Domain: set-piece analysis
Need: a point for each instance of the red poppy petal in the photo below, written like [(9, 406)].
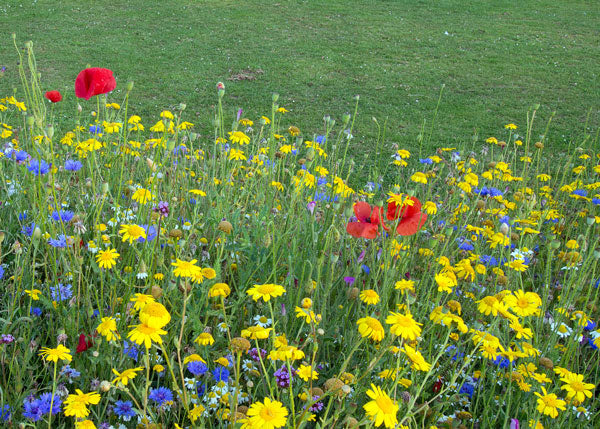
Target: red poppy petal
[(362, 210), (94, 81), (53, 96), (410, 226), (362, 230)]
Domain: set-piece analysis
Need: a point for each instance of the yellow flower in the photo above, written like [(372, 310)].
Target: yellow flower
[(107, 258), (418, 361), (518, 265), (510, 126), (308, 315), (185, 268), (141, 300), (267, 415), (371, 328), (155, 315), (549, 404), (34, 294), (446, 280), (142, 196), (306, 372), (419, 177), (108, 329), (125, 376), (219, 289), (239, 137), (524, 304), (85, 424), (76, 404), (237, 155), (576, 388), (56, 354), (265, 291), (430, 208), (369, 297), (132, 232), (405, 286), (144, 334), (196, 412), (205, 339), (404, 326), (382, 408), (256, 332)]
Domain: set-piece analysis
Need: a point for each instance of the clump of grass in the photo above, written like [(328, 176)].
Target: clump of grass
[(151, 276)]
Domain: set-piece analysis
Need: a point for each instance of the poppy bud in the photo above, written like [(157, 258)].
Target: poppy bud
[(275, 97), (536, 106), (504, 228), (79, 108), (182, 106), (37, 233), (129, 86), (346, 118), (30, 120), (105, 386), (14, 36), (105, 188)]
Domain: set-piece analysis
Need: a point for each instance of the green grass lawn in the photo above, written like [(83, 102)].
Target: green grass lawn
[(496, 59)]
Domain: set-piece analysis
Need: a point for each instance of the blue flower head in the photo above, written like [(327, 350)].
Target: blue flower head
[(124, 409), (61, 292), (220, 374), (71, 165), (197, 368), (38, 167), (161, 395), (130, 349)]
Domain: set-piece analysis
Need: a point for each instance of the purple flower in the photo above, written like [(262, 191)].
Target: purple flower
[(197, 368), (349, 280), (283, 377), (254, 354), (311, 207), (6, 339), (514, 423), (38, 167), (162, 208)]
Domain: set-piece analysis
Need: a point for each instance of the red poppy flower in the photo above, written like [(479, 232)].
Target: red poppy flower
[(94, 81), (53, 96), (369, 219), (83, 344), (411, 217)]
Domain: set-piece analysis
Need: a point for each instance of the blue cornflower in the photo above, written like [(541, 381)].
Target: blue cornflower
[(46, 399), (71, 165), (95, 129), (129, 349), (426, 161), (502, 362), (596, 201), (31, 409), (1, 272), (321, 181), (197, 368), (28, 230), (21, 156), (488, 261), (60, 241), (591, 325), (504, 219), (151, 233), (35, 311), (580, 192), (38, 167), (62, 215), (161, 395), (220, 374), (69, 372), (467, 388), (5, 413), (22, 216), (366, 269), (320, 139), (61, 292), (466, 245), (124, 409)]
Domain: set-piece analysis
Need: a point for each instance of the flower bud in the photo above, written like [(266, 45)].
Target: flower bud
[(79, 108), (105, 188), (182, 106), (37, 233), (225, 226), (105, 386), (50, 131), (275, 97), (129, 86), (156, 291), (504, 228), (30, 120)]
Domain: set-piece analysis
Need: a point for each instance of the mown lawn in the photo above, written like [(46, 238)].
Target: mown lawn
[(495, 58)]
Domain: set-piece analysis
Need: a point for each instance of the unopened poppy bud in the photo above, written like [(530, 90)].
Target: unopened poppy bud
[(50, 131), (275, 97), (30, 120), (356, 97), (79, 108), (346, 118), (331, 122), (13, 35), (182, 106), (37, 233), (105, 386), (536, 106), (320, 332), (150, 164), (225, 226), (104, 188), (129, 86), (504, 228)]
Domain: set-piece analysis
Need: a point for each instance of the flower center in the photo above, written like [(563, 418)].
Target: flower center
[(385, 404)]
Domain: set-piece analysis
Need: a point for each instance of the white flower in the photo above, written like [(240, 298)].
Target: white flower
[(142, 275), (262, 321), (561, 329)]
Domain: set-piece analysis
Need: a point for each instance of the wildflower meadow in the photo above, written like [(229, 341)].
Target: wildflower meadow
[(258, 277)]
